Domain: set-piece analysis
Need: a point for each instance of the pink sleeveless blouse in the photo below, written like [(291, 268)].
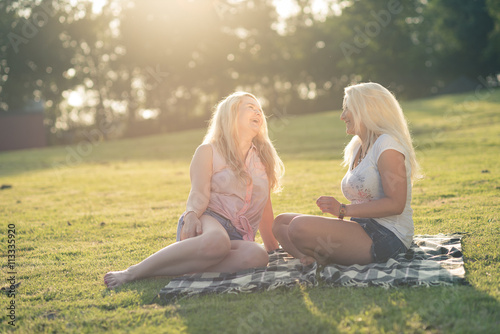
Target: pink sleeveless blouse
[(243, 204)]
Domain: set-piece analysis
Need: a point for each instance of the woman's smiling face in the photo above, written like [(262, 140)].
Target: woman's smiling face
[(350, 127), (346, 116), (250, 116)]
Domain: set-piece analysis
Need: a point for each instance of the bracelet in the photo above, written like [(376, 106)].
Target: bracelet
[(342, 211)]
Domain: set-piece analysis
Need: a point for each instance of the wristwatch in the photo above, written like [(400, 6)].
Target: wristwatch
[(342, 211)]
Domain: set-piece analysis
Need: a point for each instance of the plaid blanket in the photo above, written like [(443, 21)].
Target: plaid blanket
[(431, 260), (282, 270)]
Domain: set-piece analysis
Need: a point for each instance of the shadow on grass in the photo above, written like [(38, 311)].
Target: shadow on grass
[(146, 289), (332, 310), (457, 308)]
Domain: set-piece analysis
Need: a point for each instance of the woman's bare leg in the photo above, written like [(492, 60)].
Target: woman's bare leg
[(330, 240), (281, 225), (243, 255), (183, 257)]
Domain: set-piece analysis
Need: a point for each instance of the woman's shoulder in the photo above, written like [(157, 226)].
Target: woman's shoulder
[(212, 153), (386, 141), (202, 158), (385, 137), (204, 150)]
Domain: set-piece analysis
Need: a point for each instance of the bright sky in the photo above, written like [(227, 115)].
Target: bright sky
[(96, 4), (285, 8), (319, 8)]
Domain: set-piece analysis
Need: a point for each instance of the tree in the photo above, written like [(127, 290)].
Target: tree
[(33, 58), (464, 31)]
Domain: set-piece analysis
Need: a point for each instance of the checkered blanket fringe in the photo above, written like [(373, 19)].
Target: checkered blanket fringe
[(431, 260)]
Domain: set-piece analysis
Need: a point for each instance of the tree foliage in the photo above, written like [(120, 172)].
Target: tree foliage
[(175, 59)]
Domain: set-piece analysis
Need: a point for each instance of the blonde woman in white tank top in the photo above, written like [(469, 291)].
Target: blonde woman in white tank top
[(381, 167)]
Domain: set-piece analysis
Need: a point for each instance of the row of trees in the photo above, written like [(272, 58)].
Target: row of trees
[(172, 60)]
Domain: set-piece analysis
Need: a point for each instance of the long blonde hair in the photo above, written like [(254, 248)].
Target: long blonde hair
[(377, 109), (223, 134)]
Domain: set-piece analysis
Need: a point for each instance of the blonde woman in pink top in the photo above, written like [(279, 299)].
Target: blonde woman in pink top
[(232, 174)]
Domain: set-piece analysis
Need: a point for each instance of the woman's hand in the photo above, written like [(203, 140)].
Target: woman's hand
[(328, 204), (192, 226)]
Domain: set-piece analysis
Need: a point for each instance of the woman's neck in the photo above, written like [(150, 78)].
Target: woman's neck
[(367, 140), (364, 140), (244, 148)]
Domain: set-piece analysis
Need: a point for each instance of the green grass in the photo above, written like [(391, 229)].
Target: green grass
[(79, 215)]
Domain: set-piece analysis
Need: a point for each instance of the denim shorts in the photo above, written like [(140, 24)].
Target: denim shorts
[(226, 223), (385, 244)]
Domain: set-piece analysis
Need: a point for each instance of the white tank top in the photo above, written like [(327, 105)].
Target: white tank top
[(363, 184)]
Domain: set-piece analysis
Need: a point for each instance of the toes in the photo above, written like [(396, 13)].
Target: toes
[(109, 280), (114, 279), (111, 284)]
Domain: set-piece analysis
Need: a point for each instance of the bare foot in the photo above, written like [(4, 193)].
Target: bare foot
[(307, 260), (114, 279)]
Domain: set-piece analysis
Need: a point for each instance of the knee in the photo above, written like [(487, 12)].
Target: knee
[(214, 247), (277, 223), (297, 229), (256, 257), (280, 221)]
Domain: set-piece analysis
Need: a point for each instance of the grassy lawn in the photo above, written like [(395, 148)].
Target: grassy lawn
[(81, 211)]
